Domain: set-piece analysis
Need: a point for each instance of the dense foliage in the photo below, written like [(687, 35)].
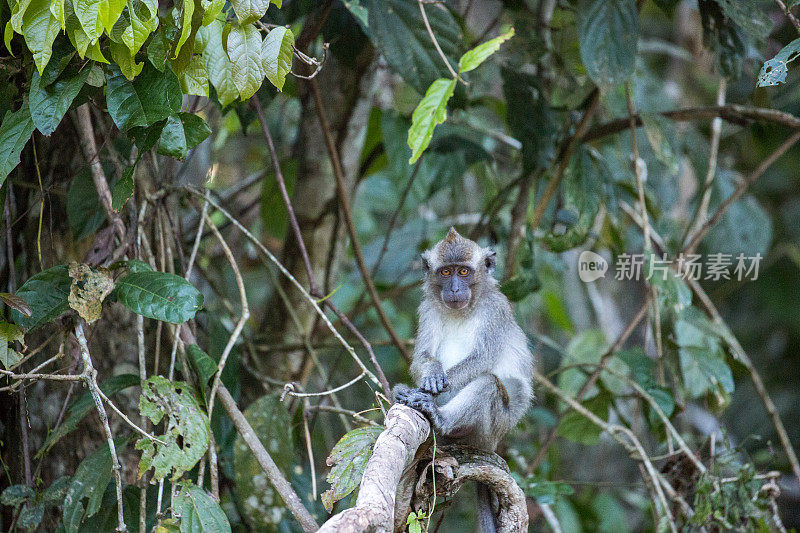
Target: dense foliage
[(209, 203)]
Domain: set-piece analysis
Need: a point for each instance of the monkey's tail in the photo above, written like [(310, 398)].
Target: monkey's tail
[(486, 519)]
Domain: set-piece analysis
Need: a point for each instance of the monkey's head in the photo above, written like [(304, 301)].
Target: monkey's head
[(456, 269)]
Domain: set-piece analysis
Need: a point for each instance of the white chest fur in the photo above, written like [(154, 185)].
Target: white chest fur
[(458, 339)]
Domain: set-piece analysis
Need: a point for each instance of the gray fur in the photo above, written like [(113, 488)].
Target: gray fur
[(482, 396)]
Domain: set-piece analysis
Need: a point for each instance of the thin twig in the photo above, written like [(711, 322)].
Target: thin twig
[(289, 389), (789, 14), (89, 375), (434, 40), (565, 157), (740, 189)]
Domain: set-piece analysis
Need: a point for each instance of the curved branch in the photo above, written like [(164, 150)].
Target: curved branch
[(406, 429), (735, 114)]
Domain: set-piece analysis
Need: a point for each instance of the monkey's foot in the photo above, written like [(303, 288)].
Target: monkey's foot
[(435, 383)]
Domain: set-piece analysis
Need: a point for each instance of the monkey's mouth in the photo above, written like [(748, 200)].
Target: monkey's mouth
[(456, 304)]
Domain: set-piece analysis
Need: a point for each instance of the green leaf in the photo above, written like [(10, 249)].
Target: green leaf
[(745, 228), (88, 13), (139, 29), (248, 11), (608, 33), (244, 50), (151, 97), (123, 189), (187, 432), (748, 16), (348, 459), (16, 495), (724, 38), (46, 293), (108, 11), (57, 491), (578, 428), (203, 365), (273, 209), (431, 111), (260, 505), (702, 360), (276, 55), (81, 41), (775, 70), (545, 491), (40, 29), (396, 28), (121, 55), (472, 59), (84, 405), (84, 212), (159, 295), (642, 371), (16, 129), (31, 516), (198, 511), (194, 78), (211, 10), (9, 357), (182, 133), (217, 63), (587, 347), (187, 11), (90, 481), (48, 105)]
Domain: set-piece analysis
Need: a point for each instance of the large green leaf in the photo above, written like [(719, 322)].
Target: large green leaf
[(608, 34), (396, 28), (140, 26), (181, 133), (82, 406), (88, 13), (473, 58), (348, 459), (578, 428), (431, 111), (108, 11), (260, 505), (48, 105), (40, 29), (244, 50), (151, 97), (198, 511), (187, 432), (218, 64), (90, 481), (159, 295), (194, 78), (46, 293), (276, 55), (16, 129), (248, 11)]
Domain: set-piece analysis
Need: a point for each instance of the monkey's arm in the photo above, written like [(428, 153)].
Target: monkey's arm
[(481, 413)]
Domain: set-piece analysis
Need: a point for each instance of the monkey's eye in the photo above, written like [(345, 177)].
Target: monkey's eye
[(445, 272), (463, 271)]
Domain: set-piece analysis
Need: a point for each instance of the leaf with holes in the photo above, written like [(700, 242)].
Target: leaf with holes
[(775, 70), (89, 288), (82, 406), (198, 511), (187, 431), (348, 459), (260, 505), (46, 294), (16, 495), (159, 295)]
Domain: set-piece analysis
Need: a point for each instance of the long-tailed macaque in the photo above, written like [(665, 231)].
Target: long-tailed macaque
[(472, 365)]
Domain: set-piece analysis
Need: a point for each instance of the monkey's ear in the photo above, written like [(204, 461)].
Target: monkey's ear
[(490, 259), (425, 264)]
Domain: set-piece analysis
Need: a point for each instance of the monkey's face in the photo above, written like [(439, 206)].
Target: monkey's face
[(454, 282)]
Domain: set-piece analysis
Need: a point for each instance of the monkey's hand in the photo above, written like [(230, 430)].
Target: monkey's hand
[(435, 383), (420, 400)]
